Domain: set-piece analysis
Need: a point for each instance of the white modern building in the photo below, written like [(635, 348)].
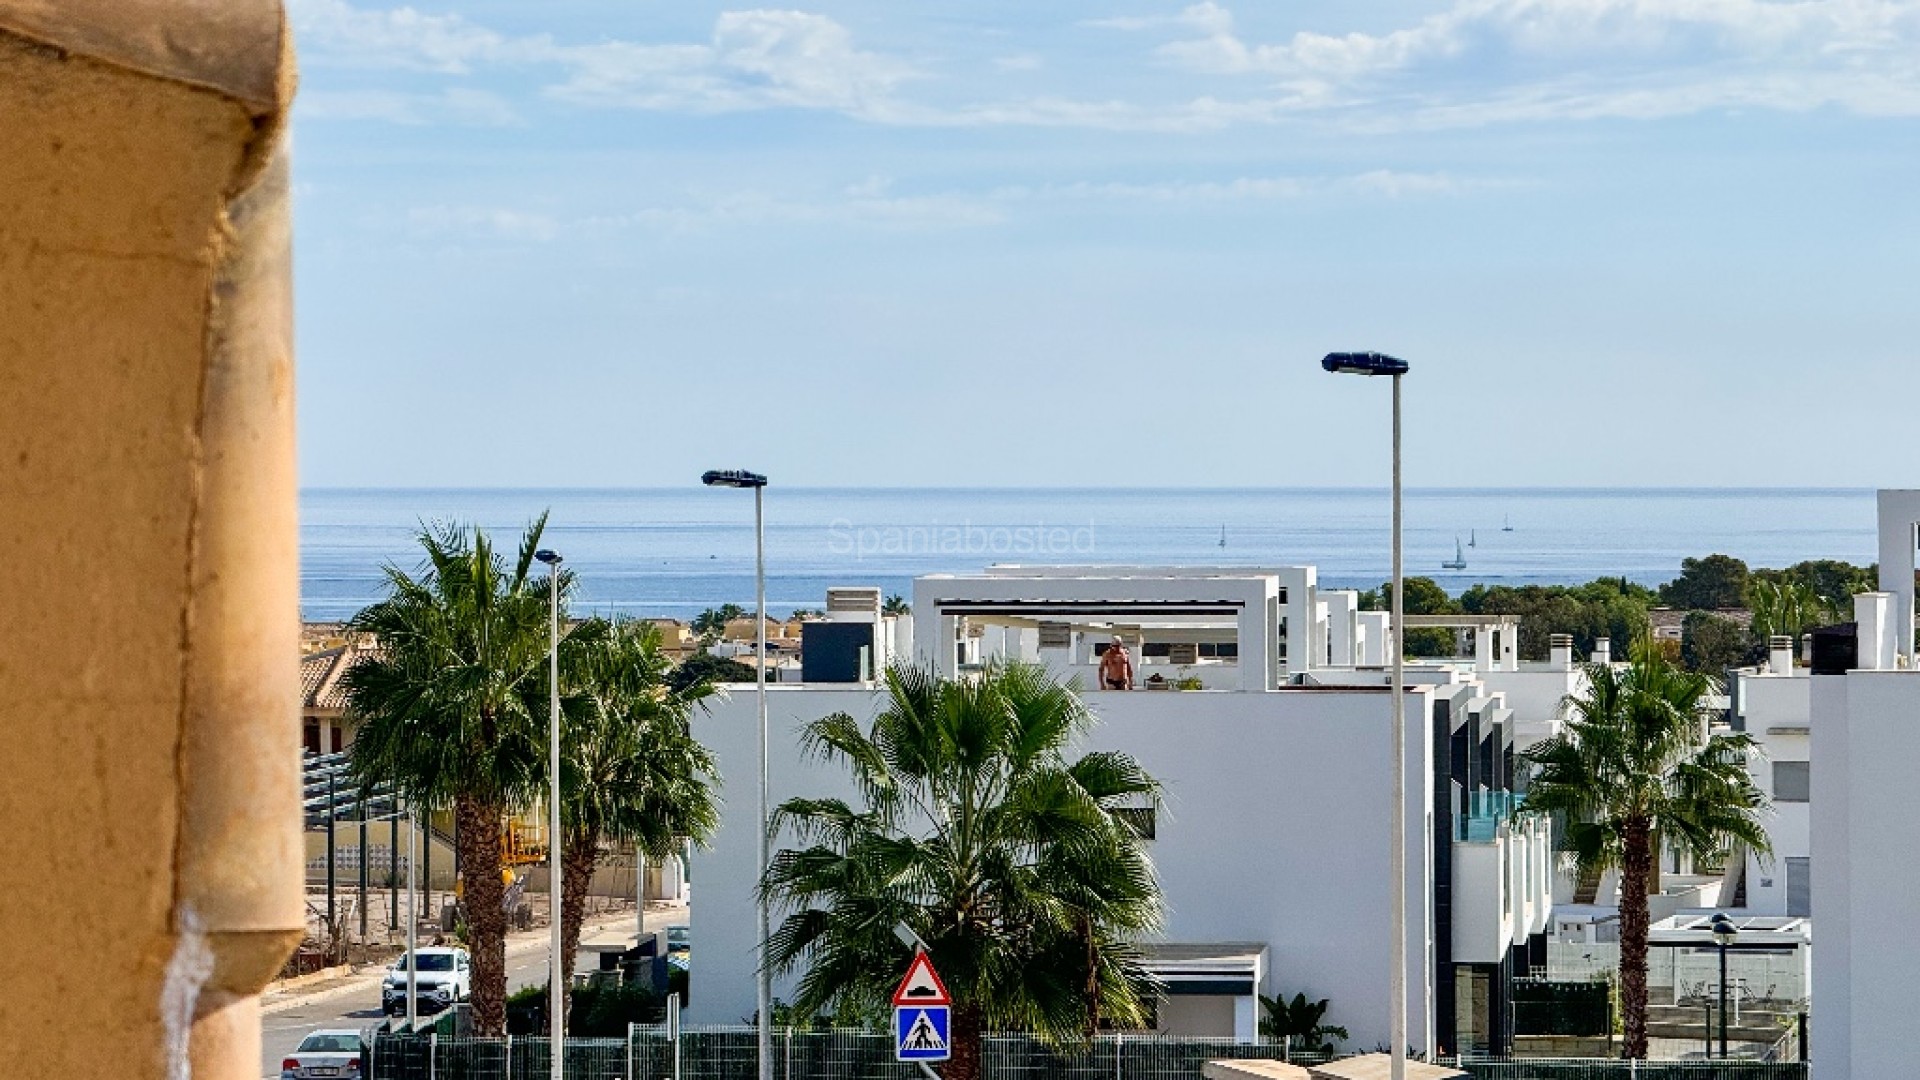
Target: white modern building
[(1272, 843), (1865, 810), (1774, 705)]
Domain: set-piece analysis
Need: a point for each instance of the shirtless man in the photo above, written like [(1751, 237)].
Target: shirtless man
[(1116, 667)]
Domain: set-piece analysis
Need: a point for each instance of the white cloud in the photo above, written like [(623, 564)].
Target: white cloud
[(1489, 61), (460, 105), (874, 203), (1207, 17), (1379, 182), (1472, 62), (1558, 29), (337, 32), (483, 222), (757, 59), (754, 59)]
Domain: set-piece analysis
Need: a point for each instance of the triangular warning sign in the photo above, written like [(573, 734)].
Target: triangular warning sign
[(921, 985)]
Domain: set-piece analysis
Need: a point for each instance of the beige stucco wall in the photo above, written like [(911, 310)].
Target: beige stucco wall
[(149, 638)]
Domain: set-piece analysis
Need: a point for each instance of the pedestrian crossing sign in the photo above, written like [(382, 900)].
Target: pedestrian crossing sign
[(920, 1033)]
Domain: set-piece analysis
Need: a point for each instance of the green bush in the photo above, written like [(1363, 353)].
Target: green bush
[(599, 1009)]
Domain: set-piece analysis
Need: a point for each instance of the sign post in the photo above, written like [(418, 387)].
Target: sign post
[(922, 1014)]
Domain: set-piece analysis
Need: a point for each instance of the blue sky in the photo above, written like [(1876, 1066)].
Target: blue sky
[(596, 243)]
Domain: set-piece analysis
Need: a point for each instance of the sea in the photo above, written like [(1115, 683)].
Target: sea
[(676, 551)]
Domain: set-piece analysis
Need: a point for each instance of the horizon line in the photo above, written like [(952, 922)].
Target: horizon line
[(1531, 489)]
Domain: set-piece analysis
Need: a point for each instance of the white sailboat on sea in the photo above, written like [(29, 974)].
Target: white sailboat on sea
[(1459, 560), (1223, 536), (1473, 538), (1508, 525)]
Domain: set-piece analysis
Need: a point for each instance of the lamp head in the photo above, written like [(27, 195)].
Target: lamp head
[(733, 478), (549, 556), (1363, 363), (1723, 929)]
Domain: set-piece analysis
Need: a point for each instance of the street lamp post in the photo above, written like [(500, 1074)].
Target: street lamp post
[(1372, 363), (413, 922), (1723, 934), (556, 989), (763, 988)]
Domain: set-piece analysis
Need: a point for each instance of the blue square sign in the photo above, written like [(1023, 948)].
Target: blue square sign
[(920, 1033)]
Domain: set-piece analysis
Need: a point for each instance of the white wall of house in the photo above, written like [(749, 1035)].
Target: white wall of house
[(1535, 692), (1343, 626), (1777, 706), (1899, 514), (1866, 889), (1275, 831), (1501, 891)]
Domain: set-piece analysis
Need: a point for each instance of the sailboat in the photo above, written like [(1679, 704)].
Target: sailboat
[(1508, 527), (1223, 536), (1473, 538), (1459, 560)]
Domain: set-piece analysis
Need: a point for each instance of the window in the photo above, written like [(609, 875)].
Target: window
[(1790, 781), (1800, 887), (428, 962), (1154, 649)]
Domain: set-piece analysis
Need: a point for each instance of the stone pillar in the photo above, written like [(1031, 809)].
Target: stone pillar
[(149, 636)]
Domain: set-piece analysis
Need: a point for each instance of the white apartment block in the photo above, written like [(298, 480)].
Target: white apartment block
[(1774, 705), (1272, 844), (1864, 717)]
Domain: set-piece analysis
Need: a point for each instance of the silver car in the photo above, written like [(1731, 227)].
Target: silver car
[(328, 1054)]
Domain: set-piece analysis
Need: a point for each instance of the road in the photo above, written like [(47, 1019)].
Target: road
[(355, 1002)]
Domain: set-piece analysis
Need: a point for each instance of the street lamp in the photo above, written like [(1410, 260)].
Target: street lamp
[(1723, 934), (413, 920), (556, 990), (763, 996), (1373, 363)]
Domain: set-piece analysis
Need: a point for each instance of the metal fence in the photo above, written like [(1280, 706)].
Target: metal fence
[(729, 1054), (1548, 1007)]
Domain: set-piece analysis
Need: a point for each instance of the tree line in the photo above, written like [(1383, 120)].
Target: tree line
[(451, 706), (1788, 601)]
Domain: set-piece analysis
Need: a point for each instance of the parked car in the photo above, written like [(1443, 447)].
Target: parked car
[(679, 939), (445, 976), (327, 1053)]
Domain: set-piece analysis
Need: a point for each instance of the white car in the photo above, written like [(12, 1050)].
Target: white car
[(328, 1053), (445, 976)]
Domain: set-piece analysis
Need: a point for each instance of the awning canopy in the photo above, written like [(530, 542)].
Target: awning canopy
[(1231, 968)]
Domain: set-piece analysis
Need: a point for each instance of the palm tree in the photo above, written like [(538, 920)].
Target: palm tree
[(631, 771), (442, 706), (1014, 865), (712, 623), (1786, 607), (1637, 766)]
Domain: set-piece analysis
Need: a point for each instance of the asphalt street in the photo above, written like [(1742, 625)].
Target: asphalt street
[(355, 1002)]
